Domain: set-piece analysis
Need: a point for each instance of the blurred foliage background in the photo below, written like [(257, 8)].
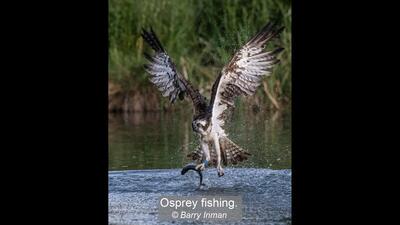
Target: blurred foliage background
[(200, 36)]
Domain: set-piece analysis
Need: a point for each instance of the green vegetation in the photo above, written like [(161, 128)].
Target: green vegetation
[(200, 36)]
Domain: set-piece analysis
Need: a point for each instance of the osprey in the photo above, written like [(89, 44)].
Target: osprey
[(241, 76)]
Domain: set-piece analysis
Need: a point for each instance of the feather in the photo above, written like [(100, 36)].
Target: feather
[(164, 75), (242, 75)]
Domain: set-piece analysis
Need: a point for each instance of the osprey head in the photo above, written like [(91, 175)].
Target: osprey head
[(201, 124)]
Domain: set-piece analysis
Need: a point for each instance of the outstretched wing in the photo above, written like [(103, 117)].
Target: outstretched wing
[(242, 75), (162, 70), (164, 75)]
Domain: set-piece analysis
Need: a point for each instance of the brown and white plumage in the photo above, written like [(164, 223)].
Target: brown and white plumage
[(167, 79), (241, 76), (162, 69), (231, 153)]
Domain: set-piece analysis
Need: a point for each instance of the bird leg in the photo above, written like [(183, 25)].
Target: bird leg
[(206, 153), (218, 151)]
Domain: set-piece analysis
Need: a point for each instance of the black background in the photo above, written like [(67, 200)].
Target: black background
[(55, 67)]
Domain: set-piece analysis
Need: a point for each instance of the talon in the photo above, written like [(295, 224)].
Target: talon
[(220, 172), (201, 166)]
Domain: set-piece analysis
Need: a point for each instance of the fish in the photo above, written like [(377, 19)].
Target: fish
[(193, 167)]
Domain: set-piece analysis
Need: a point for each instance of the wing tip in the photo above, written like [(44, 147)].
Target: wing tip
[(266, 33), (278, 50), (151, 38)]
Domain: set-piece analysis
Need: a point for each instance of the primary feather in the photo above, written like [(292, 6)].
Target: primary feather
[(166, 78), (161, 69), (242, 75)]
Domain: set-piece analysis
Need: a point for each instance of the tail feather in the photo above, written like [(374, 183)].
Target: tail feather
[(231, 152), (196, 154)]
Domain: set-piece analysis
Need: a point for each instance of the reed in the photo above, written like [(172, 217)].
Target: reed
[(200, 36)]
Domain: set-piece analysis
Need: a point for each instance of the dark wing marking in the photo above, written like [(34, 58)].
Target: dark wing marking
[(242, 75), (161, 69), (164, 75)]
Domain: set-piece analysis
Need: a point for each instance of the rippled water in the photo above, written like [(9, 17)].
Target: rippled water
[(266, 194), (162, 140)]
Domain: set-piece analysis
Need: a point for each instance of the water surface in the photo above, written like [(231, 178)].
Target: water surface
[(161, 140), (266, 194)]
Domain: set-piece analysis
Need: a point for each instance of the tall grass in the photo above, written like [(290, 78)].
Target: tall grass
[(200, 36)]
